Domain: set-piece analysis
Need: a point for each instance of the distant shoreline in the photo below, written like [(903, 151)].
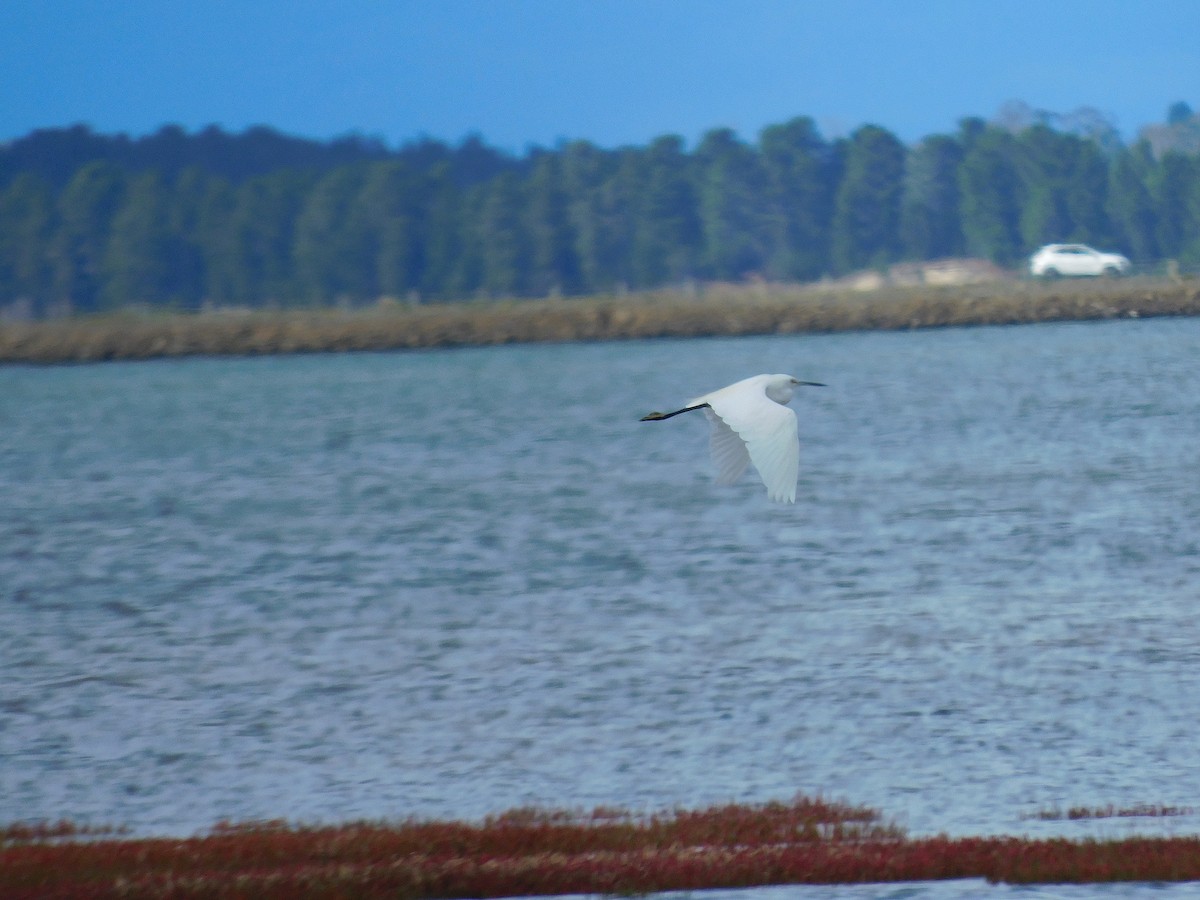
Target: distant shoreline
[(717, 310)]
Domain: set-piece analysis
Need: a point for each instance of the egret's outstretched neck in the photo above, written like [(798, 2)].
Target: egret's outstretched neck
[(658, 417)]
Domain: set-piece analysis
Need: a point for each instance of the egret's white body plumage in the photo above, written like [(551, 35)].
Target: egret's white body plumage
[(752, 423)]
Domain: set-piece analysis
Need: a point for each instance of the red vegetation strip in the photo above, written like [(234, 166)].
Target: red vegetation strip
[(25, 833), (538, 853)]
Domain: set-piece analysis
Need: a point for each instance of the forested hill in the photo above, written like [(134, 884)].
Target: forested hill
[(92, 222), (56, 154)]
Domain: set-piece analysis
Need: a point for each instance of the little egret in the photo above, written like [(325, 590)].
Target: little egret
[(751, 423)]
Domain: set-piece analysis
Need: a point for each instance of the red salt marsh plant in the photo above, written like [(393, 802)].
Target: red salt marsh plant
[(539, 852), (25, 833)]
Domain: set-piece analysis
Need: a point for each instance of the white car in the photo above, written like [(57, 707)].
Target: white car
[(1076, 259)]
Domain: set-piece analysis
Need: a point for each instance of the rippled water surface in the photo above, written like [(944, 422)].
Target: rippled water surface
[(450, 583)]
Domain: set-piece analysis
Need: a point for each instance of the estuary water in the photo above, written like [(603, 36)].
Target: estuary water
[(450, 583)]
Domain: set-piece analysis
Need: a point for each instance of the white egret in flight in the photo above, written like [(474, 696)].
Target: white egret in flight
[(751, 423)]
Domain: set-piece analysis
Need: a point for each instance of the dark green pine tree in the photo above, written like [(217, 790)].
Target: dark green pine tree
[(210, 221), (86, 208), (1170, 185), (1064, 181), (250, 260), (866, 216), (198, 205), (1042, 158), (332, 252), (600, 190), (27, 226), (137, 260), (1129, 205), (503, 240), (801, 173), (989, 197), (930, 217), (553, 262), (1178, 113), (733, 221), (1087, 193), (1189, 254), (391, 206), (667, 231), (452, 250)]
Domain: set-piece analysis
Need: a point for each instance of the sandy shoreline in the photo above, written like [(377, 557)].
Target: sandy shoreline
[(716, 311)]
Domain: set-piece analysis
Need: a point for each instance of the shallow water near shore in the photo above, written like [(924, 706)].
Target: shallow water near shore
[(448, 583)]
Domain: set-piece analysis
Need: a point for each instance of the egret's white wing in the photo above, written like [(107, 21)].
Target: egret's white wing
[(728, 450), (769, 432)]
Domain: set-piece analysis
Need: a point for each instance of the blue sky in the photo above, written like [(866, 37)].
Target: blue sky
[(523, 72)]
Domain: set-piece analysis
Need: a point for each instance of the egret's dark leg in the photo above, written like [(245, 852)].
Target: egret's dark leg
[(658, 417)]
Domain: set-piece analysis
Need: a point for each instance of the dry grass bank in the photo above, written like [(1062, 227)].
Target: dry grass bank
[(717, 310)]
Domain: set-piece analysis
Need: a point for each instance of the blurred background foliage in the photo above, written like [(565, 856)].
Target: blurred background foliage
[(91, 222)]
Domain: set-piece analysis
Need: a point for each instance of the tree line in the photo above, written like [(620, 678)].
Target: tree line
[(90, 222)]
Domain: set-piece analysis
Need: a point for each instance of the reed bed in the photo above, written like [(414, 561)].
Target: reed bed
[(717, 310), (534, 852)]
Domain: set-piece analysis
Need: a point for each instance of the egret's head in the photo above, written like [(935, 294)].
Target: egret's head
[(781, 387)]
